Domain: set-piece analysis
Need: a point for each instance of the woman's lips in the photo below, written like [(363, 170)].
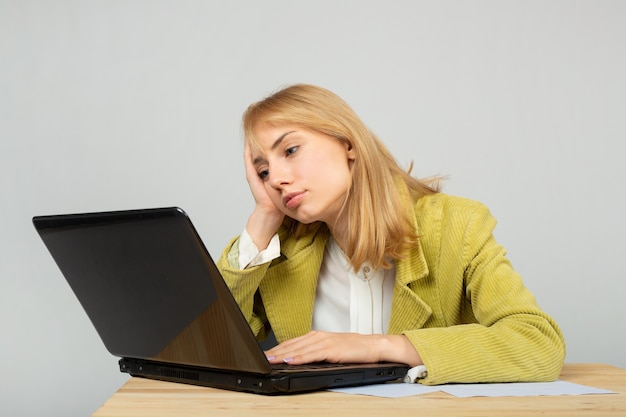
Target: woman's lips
[(292, 200)]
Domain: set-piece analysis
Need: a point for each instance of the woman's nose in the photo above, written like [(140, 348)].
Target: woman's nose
[(279, 177)]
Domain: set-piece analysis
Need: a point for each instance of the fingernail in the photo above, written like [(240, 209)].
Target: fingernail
[(287, 360), (269, 358)]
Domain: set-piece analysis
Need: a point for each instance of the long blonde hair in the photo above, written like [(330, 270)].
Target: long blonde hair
[(379, 226)]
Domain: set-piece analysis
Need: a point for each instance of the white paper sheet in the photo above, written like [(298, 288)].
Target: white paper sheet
[(521, 389), (516, 389)]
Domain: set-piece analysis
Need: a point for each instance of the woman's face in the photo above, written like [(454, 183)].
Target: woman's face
[(306, 173)]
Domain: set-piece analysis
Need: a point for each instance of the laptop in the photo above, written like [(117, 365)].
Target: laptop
[(159, 303)]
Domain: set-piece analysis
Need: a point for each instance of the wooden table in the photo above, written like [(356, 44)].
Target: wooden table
[(147, 398)]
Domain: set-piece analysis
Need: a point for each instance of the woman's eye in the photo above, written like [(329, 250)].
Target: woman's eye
[(291, 151), (264, 174)]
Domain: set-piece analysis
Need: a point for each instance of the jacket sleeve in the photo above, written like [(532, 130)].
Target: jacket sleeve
[(244, 285), (499, 333)]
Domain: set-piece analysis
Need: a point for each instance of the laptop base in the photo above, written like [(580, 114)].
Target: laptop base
[(280, 382)]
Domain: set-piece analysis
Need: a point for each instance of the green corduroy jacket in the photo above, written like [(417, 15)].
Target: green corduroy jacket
[(456, 297)]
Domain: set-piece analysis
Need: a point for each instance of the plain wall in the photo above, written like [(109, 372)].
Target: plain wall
[(132, 104)]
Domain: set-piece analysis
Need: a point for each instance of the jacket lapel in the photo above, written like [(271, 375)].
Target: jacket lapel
[(408, 310), (290, 307)]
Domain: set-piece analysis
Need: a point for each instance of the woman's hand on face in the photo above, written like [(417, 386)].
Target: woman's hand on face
[(257, 185), (266, 217), (317, 346)]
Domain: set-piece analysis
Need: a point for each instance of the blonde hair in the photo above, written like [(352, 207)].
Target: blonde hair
[(379, 227)]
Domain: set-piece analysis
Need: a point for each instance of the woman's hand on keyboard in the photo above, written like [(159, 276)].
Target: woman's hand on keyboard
[(317, 346)]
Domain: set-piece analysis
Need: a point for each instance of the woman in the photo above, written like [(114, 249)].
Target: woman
[(348, 258)]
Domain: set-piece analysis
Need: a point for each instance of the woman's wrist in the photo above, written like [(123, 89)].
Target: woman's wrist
[(262, 227), (398, 348)]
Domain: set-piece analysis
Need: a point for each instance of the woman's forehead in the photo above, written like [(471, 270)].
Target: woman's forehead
[(266, 133)]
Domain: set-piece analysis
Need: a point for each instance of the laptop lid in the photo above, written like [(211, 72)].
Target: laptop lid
[(157, 300), (151, 289)]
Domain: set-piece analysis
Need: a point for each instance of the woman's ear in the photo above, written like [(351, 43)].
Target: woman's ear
[(350, 151)]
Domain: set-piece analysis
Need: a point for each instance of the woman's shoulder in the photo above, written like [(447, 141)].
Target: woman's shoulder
[(443, 211), (455, 218), (441, 204)]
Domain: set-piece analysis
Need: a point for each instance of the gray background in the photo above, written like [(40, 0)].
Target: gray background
[(132, 104)]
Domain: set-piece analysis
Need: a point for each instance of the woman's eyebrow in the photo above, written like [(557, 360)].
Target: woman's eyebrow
[(280, 139), (275, 145)]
